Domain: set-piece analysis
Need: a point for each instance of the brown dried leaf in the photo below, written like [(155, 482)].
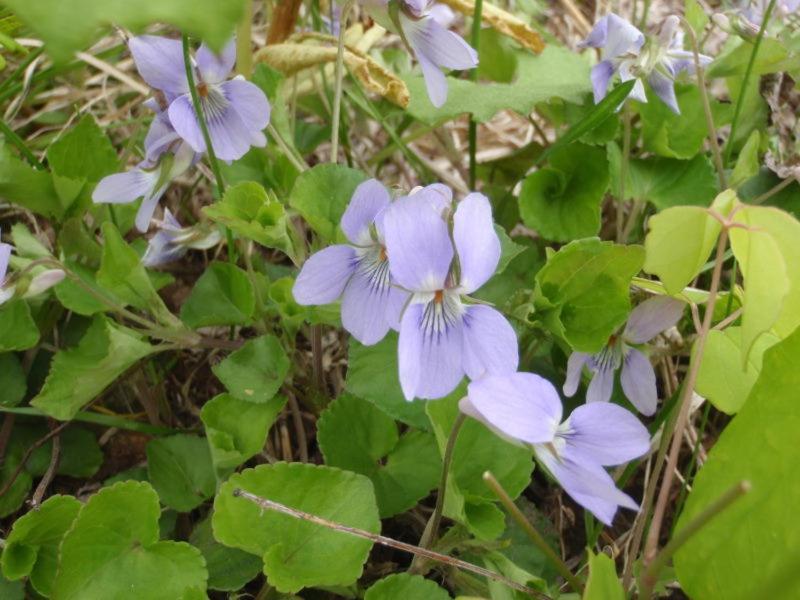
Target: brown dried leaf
[(502, 21)]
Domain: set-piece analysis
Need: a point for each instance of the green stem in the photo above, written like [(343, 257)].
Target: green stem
[(338, 82), (623, 169), (119, 422), (692, 462), (477, 17), (244, 54), (12, 137), (746, 80), (650, 575), (531, 531), (774, 190)]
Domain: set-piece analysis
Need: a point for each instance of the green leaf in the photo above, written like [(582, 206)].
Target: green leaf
[(122, 273), (555, 73), (403, 586), (11, 590), (73, 295), (603, 583), (355, 435), (15, 496), (31, 188), (237, 429), (773, 56), (758, 554), (223, 295), (112, 551), (229, 569), (321, 195), (18, 330), (562, 201), (255, 372), (299, 553), (678, 244), (12, 380), (665, 182), (476, 451), (77, 375), (81, 455), (373, 376), (179, 467), (67, 26), (31, 549), (84, 153), (584, 287), (722, 378), (509, 249), (249, 212), (26, 244), (747, 164)]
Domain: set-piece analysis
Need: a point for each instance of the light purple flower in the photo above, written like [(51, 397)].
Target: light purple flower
[(173, 241), (625, 51), (525, 408), (5, 256), (753, 11), (638, 378), (442, 338), (236, 110), (38, 284), (434, 46), (357, 272)]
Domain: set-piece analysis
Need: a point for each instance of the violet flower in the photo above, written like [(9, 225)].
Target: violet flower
[(173, 241), (434, 46), (753, 11), (34, 286), (357, 272), (626, 51), (236, 110), (638, 378), (525, 408), (442, 338)]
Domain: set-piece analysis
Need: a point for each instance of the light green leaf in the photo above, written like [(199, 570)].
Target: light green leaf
[(509, 249), (584, 287), (84, 153), (67, 26), (722, 378), (77, 375), (678, 244), (555, 73), (26, 244), (12, 380), (298, 553), (112, 551), (73, 295), (229, 569), (179, 467), (747, 164), (403, 586), (255, 372), (355, 435), (321, 195), (249, 212), (603, 583), (372, 376), (223, 295), (750, 550), (237, 429), (18, 330), (33, 189), (31, 549), (562, 201)]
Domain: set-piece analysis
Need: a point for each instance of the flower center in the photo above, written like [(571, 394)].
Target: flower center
[(214, 101)]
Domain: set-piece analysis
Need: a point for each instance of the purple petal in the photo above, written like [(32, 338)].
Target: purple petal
[(44, 281), (159, 61), (625, 74), (229, 135), (574, 369), (589, 485), (324, 275), (435, 81), (369, 199), (490, 344), (443, 15), (184, 121), (615, 36), (601, 386), (683, 60), (252, 106), (5, 256), (161, 250), (418, 244), (601, 76), (438, 195), (604, 433), (664, 87), (368, 308), (476, 241), (160, 137), (521, 406), (145, 213), (429, 361), (214, 68), (121, 188), (639, 382), (651, 317)]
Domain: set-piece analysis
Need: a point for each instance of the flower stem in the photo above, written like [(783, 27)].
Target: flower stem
[(432, 528), (623, 170), (531, 531), (473, 125), (774, 190), (649, 576), (244, 54), (338, 82), (685, 403), (746, 80)]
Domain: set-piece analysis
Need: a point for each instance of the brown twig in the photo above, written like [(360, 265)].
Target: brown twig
[(283, 20), (29, 452), (55, 456), (299, 427), (385, 541)]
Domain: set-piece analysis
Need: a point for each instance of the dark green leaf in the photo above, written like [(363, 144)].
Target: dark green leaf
[(256, 371), (223, 295)]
